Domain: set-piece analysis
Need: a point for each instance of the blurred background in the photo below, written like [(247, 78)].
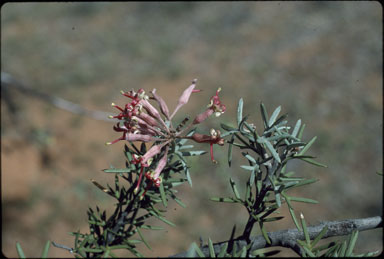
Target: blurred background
[(321, 61)]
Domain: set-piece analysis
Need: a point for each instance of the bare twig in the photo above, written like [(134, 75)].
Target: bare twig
[(287, 238), (7, 81)]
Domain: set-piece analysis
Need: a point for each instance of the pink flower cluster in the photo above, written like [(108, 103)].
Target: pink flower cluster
[(139, 120)]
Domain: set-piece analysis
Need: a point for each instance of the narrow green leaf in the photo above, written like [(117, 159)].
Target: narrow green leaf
[(188, 175), (240, 111), (292, 212), (106, 253), (307, 146), (351, 243), (19, 250), (319, 236), (219, 199), (296, 129), (230, 150), (46, 249), (269, 146), (309, 253), (117, 170), (305, 230), (185, 147), (211, 248), (252, 178), (162, 195), (91, 250), (272, 219), (300, 199), (223, 251), (162, 219), (243, 253), (234, 249), (278, 199), (250, 158), (313, 162), (248, 167), (193, 153), (303, 182), (198, 250), (300, 134), (264, 232), (151, 227), (342, 249), (280, 122), (264, 115), (234, 189), (143, 239), (274, 116), (178, 201), (228, 128)]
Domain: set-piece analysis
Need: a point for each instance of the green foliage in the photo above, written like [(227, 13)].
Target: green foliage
[(123, 229), (44, 254), (267, 155)]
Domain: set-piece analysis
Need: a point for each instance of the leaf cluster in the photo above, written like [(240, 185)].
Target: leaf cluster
[(124, 228), (267, 155)]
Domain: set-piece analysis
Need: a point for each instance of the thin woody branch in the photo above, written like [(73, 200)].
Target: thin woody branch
[(287, 238), (8, 81)]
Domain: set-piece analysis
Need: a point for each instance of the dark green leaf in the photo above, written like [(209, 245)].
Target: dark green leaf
[(272, 219), (163, 195), (264, 115), (230, 150), (193, 153), (219, 199)]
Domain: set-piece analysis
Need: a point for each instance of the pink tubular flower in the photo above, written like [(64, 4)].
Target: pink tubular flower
[(215, 106), (140, 120), (214, 138), (163, 106), (184, 98)]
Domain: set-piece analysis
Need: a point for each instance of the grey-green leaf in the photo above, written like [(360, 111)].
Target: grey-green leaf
[(240, 111), (46, 249), (274, 116), (20, 251)]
